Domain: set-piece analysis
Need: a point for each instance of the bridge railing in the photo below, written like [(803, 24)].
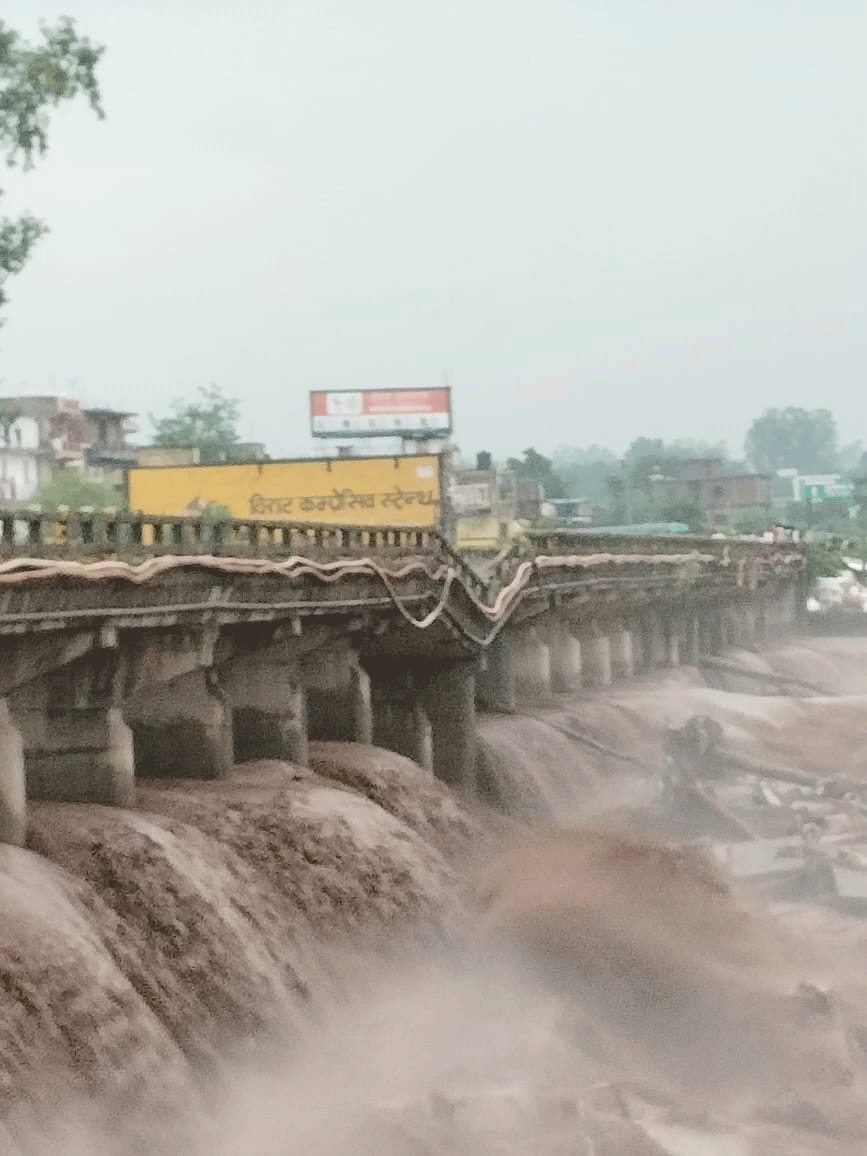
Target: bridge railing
[(127, 534), (563, 542)]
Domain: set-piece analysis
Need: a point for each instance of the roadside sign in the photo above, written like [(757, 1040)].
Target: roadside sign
[(828, 493)]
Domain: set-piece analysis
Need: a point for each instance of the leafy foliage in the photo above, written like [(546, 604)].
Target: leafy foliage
[(9, 415), (792, 437), (537, 467), (209, 425), (752, 521), (824, 560), (686, 512), (215, 512), (584, 471), (34, 79), (73, 489)]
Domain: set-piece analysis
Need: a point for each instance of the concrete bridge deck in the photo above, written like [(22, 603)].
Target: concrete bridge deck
[(119, 657)]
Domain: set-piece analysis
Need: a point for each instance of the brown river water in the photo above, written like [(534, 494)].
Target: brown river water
[(614, 952)]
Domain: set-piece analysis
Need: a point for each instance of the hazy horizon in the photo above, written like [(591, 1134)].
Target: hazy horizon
[(600, 222)]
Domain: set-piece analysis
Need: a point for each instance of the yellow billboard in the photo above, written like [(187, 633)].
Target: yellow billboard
[(396, 491)]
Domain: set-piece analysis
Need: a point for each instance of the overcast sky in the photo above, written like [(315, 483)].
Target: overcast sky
[(600, 218)]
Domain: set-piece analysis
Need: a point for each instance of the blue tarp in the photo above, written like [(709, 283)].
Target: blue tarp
[(645, 530)]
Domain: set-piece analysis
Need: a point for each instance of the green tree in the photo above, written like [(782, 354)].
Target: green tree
[(540, 469), (72, 488), (824, 559), (209, 425), (648, 456), (9, 415), (584, 471), (754, 520), (35, 78), (793, 438), (687, 512)]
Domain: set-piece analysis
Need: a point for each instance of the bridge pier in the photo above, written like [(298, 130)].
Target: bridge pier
[(711, 631), (338, 696), (77, 746), (532, 664), (182, 729), (689, 650), (13, 807), (595, 655), (448, 698), (564, 656), (496, 689), (673, 637), (268, 706), (654, 645), (781, 610), (399, 721), (745, 617), (620, 652)]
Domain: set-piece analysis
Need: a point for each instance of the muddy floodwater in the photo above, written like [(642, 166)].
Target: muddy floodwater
[(648, 935)]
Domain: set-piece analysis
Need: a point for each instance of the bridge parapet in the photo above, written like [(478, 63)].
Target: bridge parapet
[(747, 561), (130, 535), (568, 542)]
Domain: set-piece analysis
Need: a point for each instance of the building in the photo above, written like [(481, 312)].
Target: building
[(59, 423), (721, 497), (574, 512), (22, 467), (483, 506), (108, 454), (241, 453), (42, 434), (529, 496)]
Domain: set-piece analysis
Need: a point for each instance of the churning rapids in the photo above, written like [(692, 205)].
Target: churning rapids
[(647, 937)]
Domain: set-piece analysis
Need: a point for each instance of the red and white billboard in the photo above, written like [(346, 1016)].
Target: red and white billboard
[(366, 413)]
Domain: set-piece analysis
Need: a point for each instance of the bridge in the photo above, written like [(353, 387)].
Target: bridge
[(135, 646)]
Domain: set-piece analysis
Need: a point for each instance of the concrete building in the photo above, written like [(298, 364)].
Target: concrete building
[(721, 497), (39, 434), (108, 453), (484, 507), (56, 426), (529, 495), (22, 467), (575, 512), (42, 434)]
